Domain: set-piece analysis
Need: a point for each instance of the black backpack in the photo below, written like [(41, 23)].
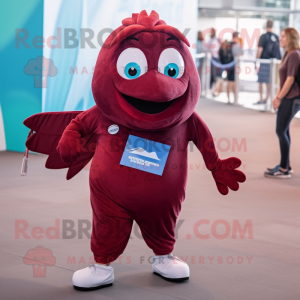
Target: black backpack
[(272, 49)]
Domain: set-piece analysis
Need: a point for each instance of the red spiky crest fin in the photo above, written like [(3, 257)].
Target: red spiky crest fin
[(142, 22)]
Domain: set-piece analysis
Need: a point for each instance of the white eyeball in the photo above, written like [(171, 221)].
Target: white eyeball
[(171, 63), (132, 63)]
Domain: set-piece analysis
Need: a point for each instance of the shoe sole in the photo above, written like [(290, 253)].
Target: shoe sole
[(171, 279), (78, 288), (278, 177)]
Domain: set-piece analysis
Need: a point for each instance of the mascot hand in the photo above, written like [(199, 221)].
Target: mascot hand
[(226, 176), (69, 147)]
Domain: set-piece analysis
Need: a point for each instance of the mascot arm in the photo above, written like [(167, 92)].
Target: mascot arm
[(69, 146), (72, 142), (223, 171)]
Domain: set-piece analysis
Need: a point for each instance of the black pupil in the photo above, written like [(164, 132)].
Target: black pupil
[(172, 72), (132, 71)]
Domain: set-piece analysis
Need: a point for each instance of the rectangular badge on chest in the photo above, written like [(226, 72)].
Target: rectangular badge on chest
[(145, 155)]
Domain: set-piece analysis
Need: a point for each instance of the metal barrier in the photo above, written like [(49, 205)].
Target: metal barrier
[(201, 63), (272, 78), (242, 85)]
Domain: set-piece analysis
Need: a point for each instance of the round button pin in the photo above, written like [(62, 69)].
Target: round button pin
[(113, 129)]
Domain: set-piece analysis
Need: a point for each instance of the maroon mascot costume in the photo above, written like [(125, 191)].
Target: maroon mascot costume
[(146, 88)]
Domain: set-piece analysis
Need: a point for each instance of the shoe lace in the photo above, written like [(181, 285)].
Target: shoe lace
[(171, 256)]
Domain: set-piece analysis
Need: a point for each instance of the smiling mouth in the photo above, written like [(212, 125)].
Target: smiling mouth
[(148, 107)]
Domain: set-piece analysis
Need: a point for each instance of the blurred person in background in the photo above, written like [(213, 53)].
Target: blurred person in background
[(213, 47), (200, 49), (228, 53), (268, 47), (226, 57), (200, 46), (287, 100)]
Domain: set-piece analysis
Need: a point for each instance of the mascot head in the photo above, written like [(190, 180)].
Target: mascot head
[(145, 77)]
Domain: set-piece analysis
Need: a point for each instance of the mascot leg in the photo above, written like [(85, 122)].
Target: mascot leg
[(157, 221), (110, 235)]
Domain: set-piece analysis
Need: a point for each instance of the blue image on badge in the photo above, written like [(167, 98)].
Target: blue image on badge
[(145, 155)]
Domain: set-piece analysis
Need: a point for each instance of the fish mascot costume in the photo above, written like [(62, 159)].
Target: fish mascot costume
[(145, 88)]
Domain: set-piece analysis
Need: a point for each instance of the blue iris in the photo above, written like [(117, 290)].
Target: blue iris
[(172, 70), (132, 70)]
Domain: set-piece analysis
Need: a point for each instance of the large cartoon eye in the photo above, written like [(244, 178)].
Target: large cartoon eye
[(171, 63), (132, 63)]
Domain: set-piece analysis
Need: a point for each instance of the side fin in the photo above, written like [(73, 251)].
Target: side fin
[(51, 123), (48, 129)]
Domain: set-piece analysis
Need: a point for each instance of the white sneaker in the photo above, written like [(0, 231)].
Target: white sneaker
[(93, 277), (170, 268)]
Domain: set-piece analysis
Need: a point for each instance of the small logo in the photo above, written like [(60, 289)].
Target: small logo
[(144, 158), (113, 129), (142, 152), (40, 68), (39, 258), (273, 38)]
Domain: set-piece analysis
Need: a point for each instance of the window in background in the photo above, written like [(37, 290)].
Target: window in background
[(263, 3)]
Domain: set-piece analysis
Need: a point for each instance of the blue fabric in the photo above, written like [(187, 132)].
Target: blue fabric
[(264, 73)]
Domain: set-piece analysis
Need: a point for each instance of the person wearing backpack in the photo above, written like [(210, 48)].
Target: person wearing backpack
[(268, 47), (287, 100)]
